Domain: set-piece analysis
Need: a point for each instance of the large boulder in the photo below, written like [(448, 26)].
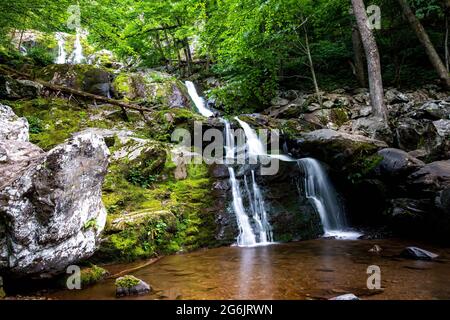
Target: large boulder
[(334, 147), (50, 204), (11, 126), (79, 77), (12, 89), (397, 163), (151, 87)]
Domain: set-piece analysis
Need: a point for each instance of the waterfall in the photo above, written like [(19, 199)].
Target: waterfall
[(246, 236), (320, 191), (261, 231), (62, 55), (78, 50), (255, 146), (198, 101)]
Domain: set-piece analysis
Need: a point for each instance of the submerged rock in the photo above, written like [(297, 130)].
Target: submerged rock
[(50, 203), (375, 249), (418, 254), (131, 286), (348, 297)]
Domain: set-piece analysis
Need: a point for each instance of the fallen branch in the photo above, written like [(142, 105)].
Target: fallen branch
[(74, 92)]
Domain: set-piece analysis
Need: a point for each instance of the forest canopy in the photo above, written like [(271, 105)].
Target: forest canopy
[(255, 46)]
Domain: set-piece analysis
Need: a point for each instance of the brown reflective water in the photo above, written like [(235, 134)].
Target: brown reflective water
[(317, 269)]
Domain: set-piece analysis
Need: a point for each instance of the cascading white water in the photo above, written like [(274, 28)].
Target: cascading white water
[(255, 146), (320, 191), (198, 101), (78, 50), (62, 55), (246, 235), (260, 213)]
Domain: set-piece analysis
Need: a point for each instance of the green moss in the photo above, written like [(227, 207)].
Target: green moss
[(363, 166), (339, 116), (127, 281), (92, 275), (2, 293)]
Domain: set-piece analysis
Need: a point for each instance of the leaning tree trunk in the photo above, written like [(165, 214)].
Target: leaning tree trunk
[(435, 60), (373, 60), (358, 52)]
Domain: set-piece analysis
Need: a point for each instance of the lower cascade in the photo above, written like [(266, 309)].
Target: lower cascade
[(320, 191)]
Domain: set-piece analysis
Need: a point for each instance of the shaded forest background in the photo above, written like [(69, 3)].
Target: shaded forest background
[(254, 46)]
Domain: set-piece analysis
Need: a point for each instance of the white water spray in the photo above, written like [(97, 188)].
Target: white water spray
[(78, 50), (62, 55), (198, 101), (320, 191)]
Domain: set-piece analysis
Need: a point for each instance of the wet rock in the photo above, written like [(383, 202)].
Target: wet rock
[(334, 147), (376, 249), (348, 297), (131, 286), (12, 89), (98, 81), (11, 126), (219, 171), (52, 208), (418, 254), (397, 163)]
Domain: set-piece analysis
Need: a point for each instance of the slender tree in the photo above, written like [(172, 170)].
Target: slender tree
[(435, 60), (373, 60)]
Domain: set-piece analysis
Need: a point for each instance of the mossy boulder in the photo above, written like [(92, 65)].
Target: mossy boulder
[(79, 77), (151, 87), (131, 286), (92, 275)]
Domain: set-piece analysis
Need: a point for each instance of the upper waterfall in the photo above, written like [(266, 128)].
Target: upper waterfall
[(199, 101)]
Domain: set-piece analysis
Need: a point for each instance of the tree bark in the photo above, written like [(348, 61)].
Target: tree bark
[(358, 52), (373, 61), (426, 42)]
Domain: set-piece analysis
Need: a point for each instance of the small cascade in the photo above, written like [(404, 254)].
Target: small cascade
[(78, 50), (320, 191), (254, 226), (246, 236), (255, 146), (62, 55), (198, 101)]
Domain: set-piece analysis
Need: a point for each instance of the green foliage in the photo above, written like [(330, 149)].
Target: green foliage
[(127, 281), (92, 275), (90, 224), (35, 125)]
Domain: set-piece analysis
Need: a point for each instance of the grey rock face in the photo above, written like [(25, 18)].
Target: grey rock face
[(12, 89), (397, 162), (51, 212), (11, 126)]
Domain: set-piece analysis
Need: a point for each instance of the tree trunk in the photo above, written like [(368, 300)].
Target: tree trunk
[(311, 66), (447, 54), (358, 52), (426, 42), (373, 61)]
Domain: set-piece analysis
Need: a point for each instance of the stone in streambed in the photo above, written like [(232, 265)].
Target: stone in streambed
[(348, 297), (376, 249), (131, 286), (418, 254)]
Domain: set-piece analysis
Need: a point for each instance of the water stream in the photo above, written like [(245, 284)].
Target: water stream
[(62, 55)]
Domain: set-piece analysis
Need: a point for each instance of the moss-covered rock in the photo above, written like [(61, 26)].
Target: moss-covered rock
[(151, 87), (92, 275)]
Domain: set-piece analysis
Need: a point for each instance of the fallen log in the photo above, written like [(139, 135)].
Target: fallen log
[(79, 93)]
